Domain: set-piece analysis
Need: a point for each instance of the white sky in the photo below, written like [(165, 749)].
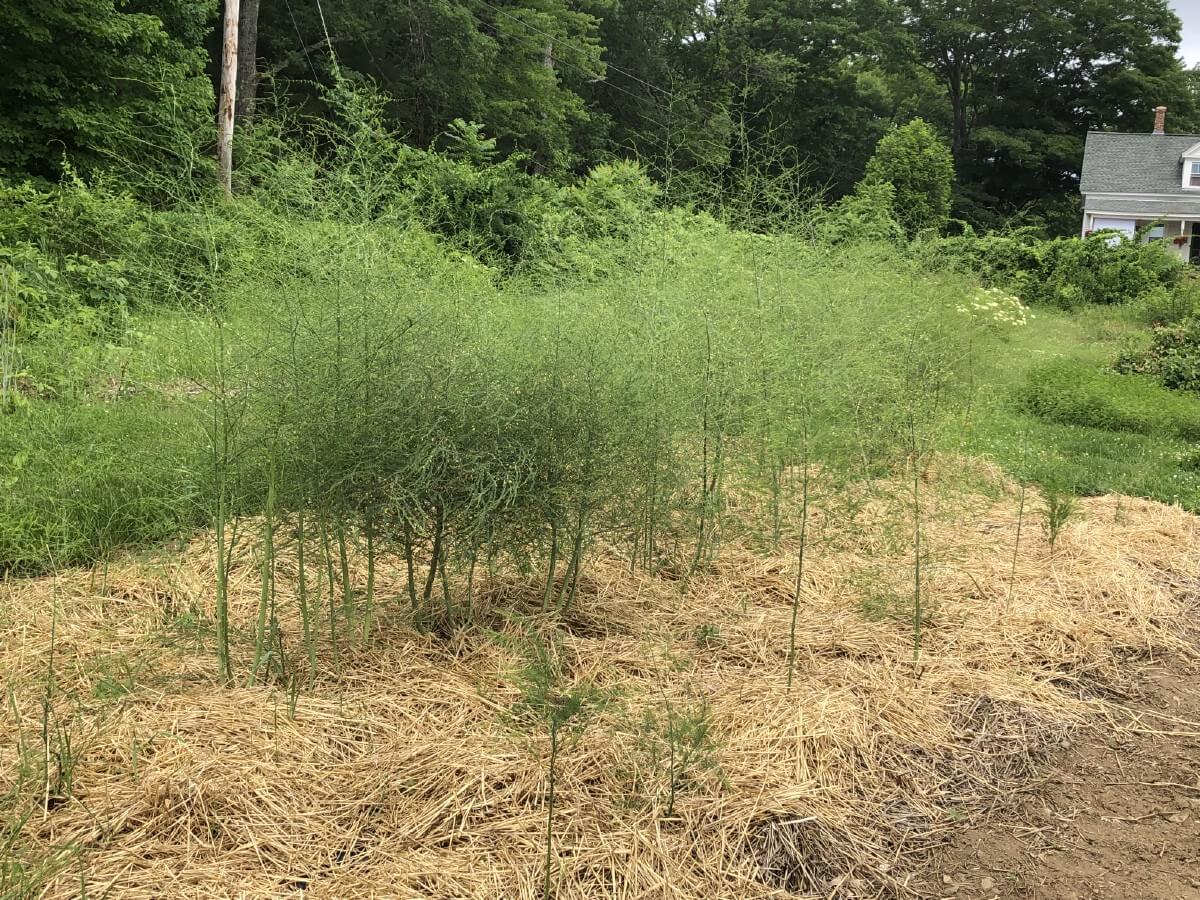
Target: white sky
[(1189, 12)]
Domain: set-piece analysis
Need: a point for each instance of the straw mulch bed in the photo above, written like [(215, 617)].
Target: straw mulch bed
[(401, 774)]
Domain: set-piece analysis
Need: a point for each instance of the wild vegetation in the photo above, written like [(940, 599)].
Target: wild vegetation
[(572, 467)]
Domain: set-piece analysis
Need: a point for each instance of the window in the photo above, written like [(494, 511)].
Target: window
[(1194, 174), (1158, 232)]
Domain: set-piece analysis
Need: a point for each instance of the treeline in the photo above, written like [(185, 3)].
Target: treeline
[(698, 92)]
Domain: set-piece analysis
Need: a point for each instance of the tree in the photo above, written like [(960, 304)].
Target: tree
[(1026, 79), (918, 164), (247, 62), (518, 69), (84, 77)]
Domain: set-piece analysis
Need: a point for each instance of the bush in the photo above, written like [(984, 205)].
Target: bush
[(1065, 272), (1173, 357), (917, 163), (587, 228), (866, 216), (1101, 269), (1160, 305), (1072, 393)]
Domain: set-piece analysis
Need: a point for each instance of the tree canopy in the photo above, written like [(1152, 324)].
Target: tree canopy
[(696, 91), (84, 78)]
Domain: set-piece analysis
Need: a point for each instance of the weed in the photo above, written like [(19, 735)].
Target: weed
[(563, 710), (1058, 507), (680, 745)]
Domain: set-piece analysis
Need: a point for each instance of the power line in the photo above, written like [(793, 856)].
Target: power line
[(300, 38), (591, 75), (594, 77), (324, 28)]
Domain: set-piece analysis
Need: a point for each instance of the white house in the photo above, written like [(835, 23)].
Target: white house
[(1130, 181)]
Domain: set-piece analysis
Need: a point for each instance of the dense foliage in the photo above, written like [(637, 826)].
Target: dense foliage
[(915, 161), (90, 80), (698, 93), (1173, 357), (1065, 272)]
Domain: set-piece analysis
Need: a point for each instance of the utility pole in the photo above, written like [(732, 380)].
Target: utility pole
[(229, 54)]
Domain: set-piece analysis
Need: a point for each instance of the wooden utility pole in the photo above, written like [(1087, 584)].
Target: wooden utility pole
[(229, 66)]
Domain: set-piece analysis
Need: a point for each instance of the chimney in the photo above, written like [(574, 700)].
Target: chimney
[(1160, 119)]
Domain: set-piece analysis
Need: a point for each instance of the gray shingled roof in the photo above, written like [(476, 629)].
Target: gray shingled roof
[(1144, 209), (1134, 163)]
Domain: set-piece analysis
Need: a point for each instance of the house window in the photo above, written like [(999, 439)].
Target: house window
[(1194, 174), (1156, 233)]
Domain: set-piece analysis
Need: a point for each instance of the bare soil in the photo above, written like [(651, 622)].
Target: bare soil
[(1116, 818)]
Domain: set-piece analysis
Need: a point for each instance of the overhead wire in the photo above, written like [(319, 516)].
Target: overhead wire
[(300, 38), (663, 147), (597, 78)]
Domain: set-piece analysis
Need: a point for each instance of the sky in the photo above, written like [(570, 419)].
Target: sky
[(1189, 12)]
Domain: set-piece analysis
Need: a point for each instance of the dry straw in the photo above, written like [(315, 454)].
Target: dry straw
[(401, 775)]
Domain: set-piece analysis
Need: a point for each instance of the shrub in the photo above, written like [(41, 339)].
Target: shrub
[(92, 294), (1173, 357), (918, 164), (1072, 393), (1160, 305), (1065, 272), (866, 216), (588, 228), (1101, 269)]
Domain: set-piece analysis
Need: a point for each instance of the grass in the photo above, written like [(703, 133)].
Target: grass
[(1073, 393), (84, 480), (1151, 459)]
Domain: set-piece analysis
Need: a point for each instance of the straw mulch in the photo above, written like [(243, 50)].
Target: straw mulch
[(402, 773)]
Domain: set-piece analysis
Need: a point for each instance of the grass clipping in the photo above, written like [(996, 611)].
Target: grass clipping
[(399, 774)]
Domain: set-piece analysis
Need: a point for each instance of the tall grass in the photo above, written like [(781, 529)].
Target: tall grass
[(366, 390)]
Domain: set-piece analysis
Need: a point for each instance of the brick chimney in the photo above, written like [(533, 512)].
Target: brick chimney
[(1160, 119)]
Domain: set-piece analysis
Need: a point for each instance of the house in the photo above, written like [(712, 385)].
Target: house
[(1151, 181)]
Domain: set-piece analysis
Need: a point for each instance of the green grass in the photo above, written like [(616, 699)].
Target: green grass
[(80, 480), (1070, 392), (1088, 430)]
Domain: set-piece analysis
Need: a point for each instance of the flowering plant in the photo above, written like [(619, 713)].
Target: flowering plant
[(996, 308)]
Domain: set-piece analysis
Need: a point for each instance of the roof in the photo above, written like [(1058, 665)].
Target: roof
[(1134, 163), (1186, 207)]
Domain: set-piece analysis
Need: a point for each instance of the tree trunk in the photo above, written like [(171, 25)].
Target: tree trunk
[(229, 65), (247, 61)]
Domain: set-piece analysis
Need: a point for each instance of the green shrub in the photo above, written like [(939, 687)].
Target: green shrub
[(1173, 357), (60, 287), (1101, 270), (866, 216), (918, 165), (493, 211), (1065, 272), (1160, 305), (1071, 393)]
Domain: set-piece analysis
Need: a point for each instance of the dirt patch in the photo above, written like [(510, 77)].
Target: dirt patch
[(1116, 818)]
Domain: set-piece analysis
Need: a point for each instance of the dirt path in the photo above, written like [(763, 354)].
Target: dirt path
[(1118, 817)]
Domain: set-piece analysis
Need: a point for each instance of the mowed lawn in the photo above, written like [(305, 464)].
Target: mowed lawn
[(1085, 459)]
